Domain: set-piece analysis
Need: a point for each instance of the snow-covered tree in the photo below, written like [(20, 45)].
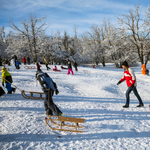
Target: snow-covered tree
[(138, 32), (31, 31), (3, 43), (119, 48), (93, 44), (18, 45)]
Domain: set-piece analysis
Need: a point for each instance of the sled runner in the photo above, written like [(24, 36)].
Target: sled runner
[(62, 123), (29, 67), (31, 96)]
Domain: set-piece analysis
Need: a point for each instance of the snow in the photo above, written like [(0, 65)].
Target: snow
[(91, 94)]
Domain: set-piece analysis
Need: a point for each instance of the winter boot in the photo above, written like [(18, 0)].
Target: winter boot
[(13, 90), (49, 112), (9, 92), (125, 106), (140, 105)]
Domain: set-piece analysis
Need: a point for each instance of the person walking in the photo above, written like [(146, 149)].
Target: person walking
[(7, 79), (46, 63), (130, 78), (24, 60), (75, 66), (69, 66), (48, 86)]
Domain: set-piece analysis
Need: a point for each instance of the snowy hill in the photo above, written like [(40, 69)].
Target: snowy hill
[(91, 94)]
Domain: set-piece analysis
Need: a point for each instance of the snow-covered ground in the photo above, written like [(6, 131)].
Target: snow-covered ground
[(91, 94)]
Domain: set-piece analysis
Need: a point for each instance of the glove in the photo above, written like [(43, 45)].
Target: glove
[(118, 82), (2, 83), (132, 86), (56, 92)]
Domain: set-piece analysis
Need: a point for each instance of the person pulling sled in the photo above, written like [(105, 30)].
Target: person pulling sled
[(7, 80), (130, 78), (48, 86)]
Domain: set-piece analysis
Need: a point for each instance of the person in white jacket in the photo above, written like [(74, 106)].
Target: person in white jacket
[(12, 61)]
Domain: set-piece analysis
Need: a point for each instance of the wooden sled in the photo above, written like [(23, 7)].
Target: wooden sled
[(29, 67), (31, 96), (62, 121)]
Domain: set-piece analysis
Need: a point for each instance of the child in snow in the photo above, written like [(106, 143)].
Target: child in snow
[(69, 67), (38, 66), (7, 79), (130, 78), (63, 67), (17, 64), (48, 86), (55, 69)]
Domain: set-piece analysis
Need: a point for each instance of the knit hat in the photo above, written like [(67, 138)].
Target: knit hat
[(3, 69), (125, 64)]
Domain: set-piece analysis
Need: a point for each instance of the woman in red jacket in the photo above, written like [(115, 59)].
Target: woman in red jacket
[(130, 78), (24, 60)]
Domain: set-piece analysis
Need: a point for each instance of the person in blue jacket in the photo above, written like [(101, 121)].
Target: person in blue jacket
[(17, 64), (48, 86)]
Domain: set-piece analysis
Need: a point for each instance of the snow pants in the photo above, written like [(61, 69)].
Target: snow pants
[(47, 67), (135, 93), (69, 71), (50, 105), (8, 87), (76, 69)]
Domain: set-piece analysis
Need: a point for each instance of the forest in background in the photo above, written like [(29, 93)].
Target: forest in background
[(129, 40)]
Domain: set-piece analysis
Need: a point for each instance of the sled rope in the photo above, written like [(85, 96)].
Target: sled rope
[(13, 84)]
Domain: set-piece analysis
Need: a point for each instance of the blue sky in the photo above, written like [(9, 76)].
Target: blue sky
[(65, 15)]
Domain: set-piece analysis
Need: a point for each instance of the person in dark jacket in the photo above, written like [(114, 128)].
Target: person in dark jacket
[(48, 86), (28, 60), (69, 67), (75, 66), (0, 61), (7, 79), (130, 78), (15, 58)]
